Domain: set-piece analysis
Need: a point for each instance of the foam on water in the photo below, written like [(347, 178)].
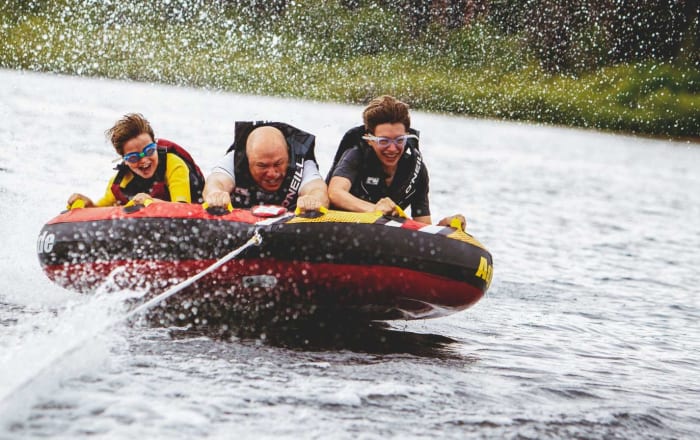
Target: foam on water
[(47, 347)]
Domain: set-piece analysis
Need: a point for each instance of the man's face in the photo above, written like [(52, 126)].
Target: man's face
[(267, 158), (388, 155)]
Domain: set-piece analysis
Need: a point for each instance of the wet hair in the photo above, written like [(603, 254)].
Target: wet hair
[(385, 109), (127, 128)]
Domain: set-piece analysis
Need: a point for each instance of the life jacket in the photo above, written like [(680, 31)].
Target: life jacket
[(246, 192), (411, 159), (155, 186)]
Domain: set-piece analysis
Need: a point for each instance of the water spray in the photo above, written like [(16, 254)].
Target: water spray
[(255, 240)]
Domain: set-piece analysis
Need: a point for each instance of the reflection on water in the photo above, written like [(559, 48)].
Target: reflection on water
[(284, 320), (334, 332)]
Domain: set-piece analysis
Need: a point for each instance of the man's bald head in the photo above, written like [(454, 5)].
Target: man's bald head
[(268, 157), (265, 137)]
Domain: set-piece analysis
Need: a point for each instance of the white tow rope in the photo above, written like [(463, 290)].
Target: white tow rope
[(255, 240)]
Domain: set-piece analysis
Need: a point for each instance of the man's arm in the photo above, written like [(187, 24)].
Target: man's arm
[(459, 220), (340, 197), (217, 189), (339, 194), (423, 219), (313, 195)]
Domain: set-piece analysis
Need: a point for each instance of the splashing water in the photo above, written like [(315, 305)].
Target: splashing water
[(43, 348), (48, 347)]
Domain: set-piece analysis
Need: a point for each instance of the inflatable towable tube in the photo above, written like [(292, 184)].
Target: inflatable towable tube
[(381, 267)]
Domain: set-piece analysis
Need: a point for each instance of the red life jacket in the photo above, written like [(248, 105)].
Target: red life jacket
[(155, 186)]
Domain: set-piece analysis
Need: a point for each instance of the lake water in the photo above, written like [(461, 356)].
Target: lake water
[(590, 328)]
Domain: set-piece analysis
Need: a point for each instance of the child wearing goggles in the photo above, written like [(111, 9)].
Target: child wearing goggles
[(151, 170)]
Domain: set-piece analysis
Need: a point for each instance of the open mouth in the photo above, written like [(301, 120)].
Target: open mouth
[(145, 168), (272, 183), (391, 156)]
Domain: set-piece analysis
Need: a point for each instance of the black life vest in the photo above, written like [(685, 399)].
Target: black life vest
[(155, 186), (246, 192), (411, 160)]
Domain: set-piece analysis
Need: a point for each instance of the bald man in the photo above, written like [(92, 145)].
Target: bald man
[(268, 163)]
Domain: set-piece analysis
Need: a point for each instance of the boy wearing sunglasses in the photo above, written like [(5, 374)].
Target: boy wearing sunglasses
[(378, 166), (158, 170)]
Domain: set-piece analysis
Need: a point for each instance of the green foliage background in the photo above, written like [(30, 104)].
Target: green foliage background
[(323, 50)]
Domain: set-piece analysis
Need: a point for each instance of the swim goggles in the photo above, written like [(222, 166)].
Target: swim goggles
[(385, 142), (147, 151)]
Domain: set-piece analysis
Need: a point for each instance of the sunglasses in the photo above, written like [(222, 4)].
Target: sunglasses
[(385, 142), (147, 151)]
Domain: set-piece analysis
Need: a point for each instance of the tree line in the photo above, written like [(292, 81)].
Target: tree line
[(566, 36)]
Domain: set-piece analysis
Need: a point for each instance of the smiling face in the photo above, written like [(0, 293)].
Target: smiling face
[(389, 156), (268, 157), (147, 165)]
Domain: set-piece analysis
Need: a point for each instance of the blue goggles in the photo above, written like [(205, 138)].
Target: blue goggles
[(147, 151), (384, 142)]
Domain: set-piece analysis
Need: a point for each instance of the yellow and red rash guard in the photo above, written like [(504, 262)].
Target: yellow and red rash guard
[(177, 181)]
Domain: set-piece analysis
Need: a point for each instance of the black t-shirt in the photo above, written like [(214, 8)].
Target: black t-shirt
[(361, 166)]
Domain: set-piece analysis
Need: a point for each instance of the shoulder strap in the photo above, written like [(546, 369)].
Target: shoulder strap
[(158, 189), (352, 138), (405, 190), (116, 184), (184, 154), (196, 175)]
